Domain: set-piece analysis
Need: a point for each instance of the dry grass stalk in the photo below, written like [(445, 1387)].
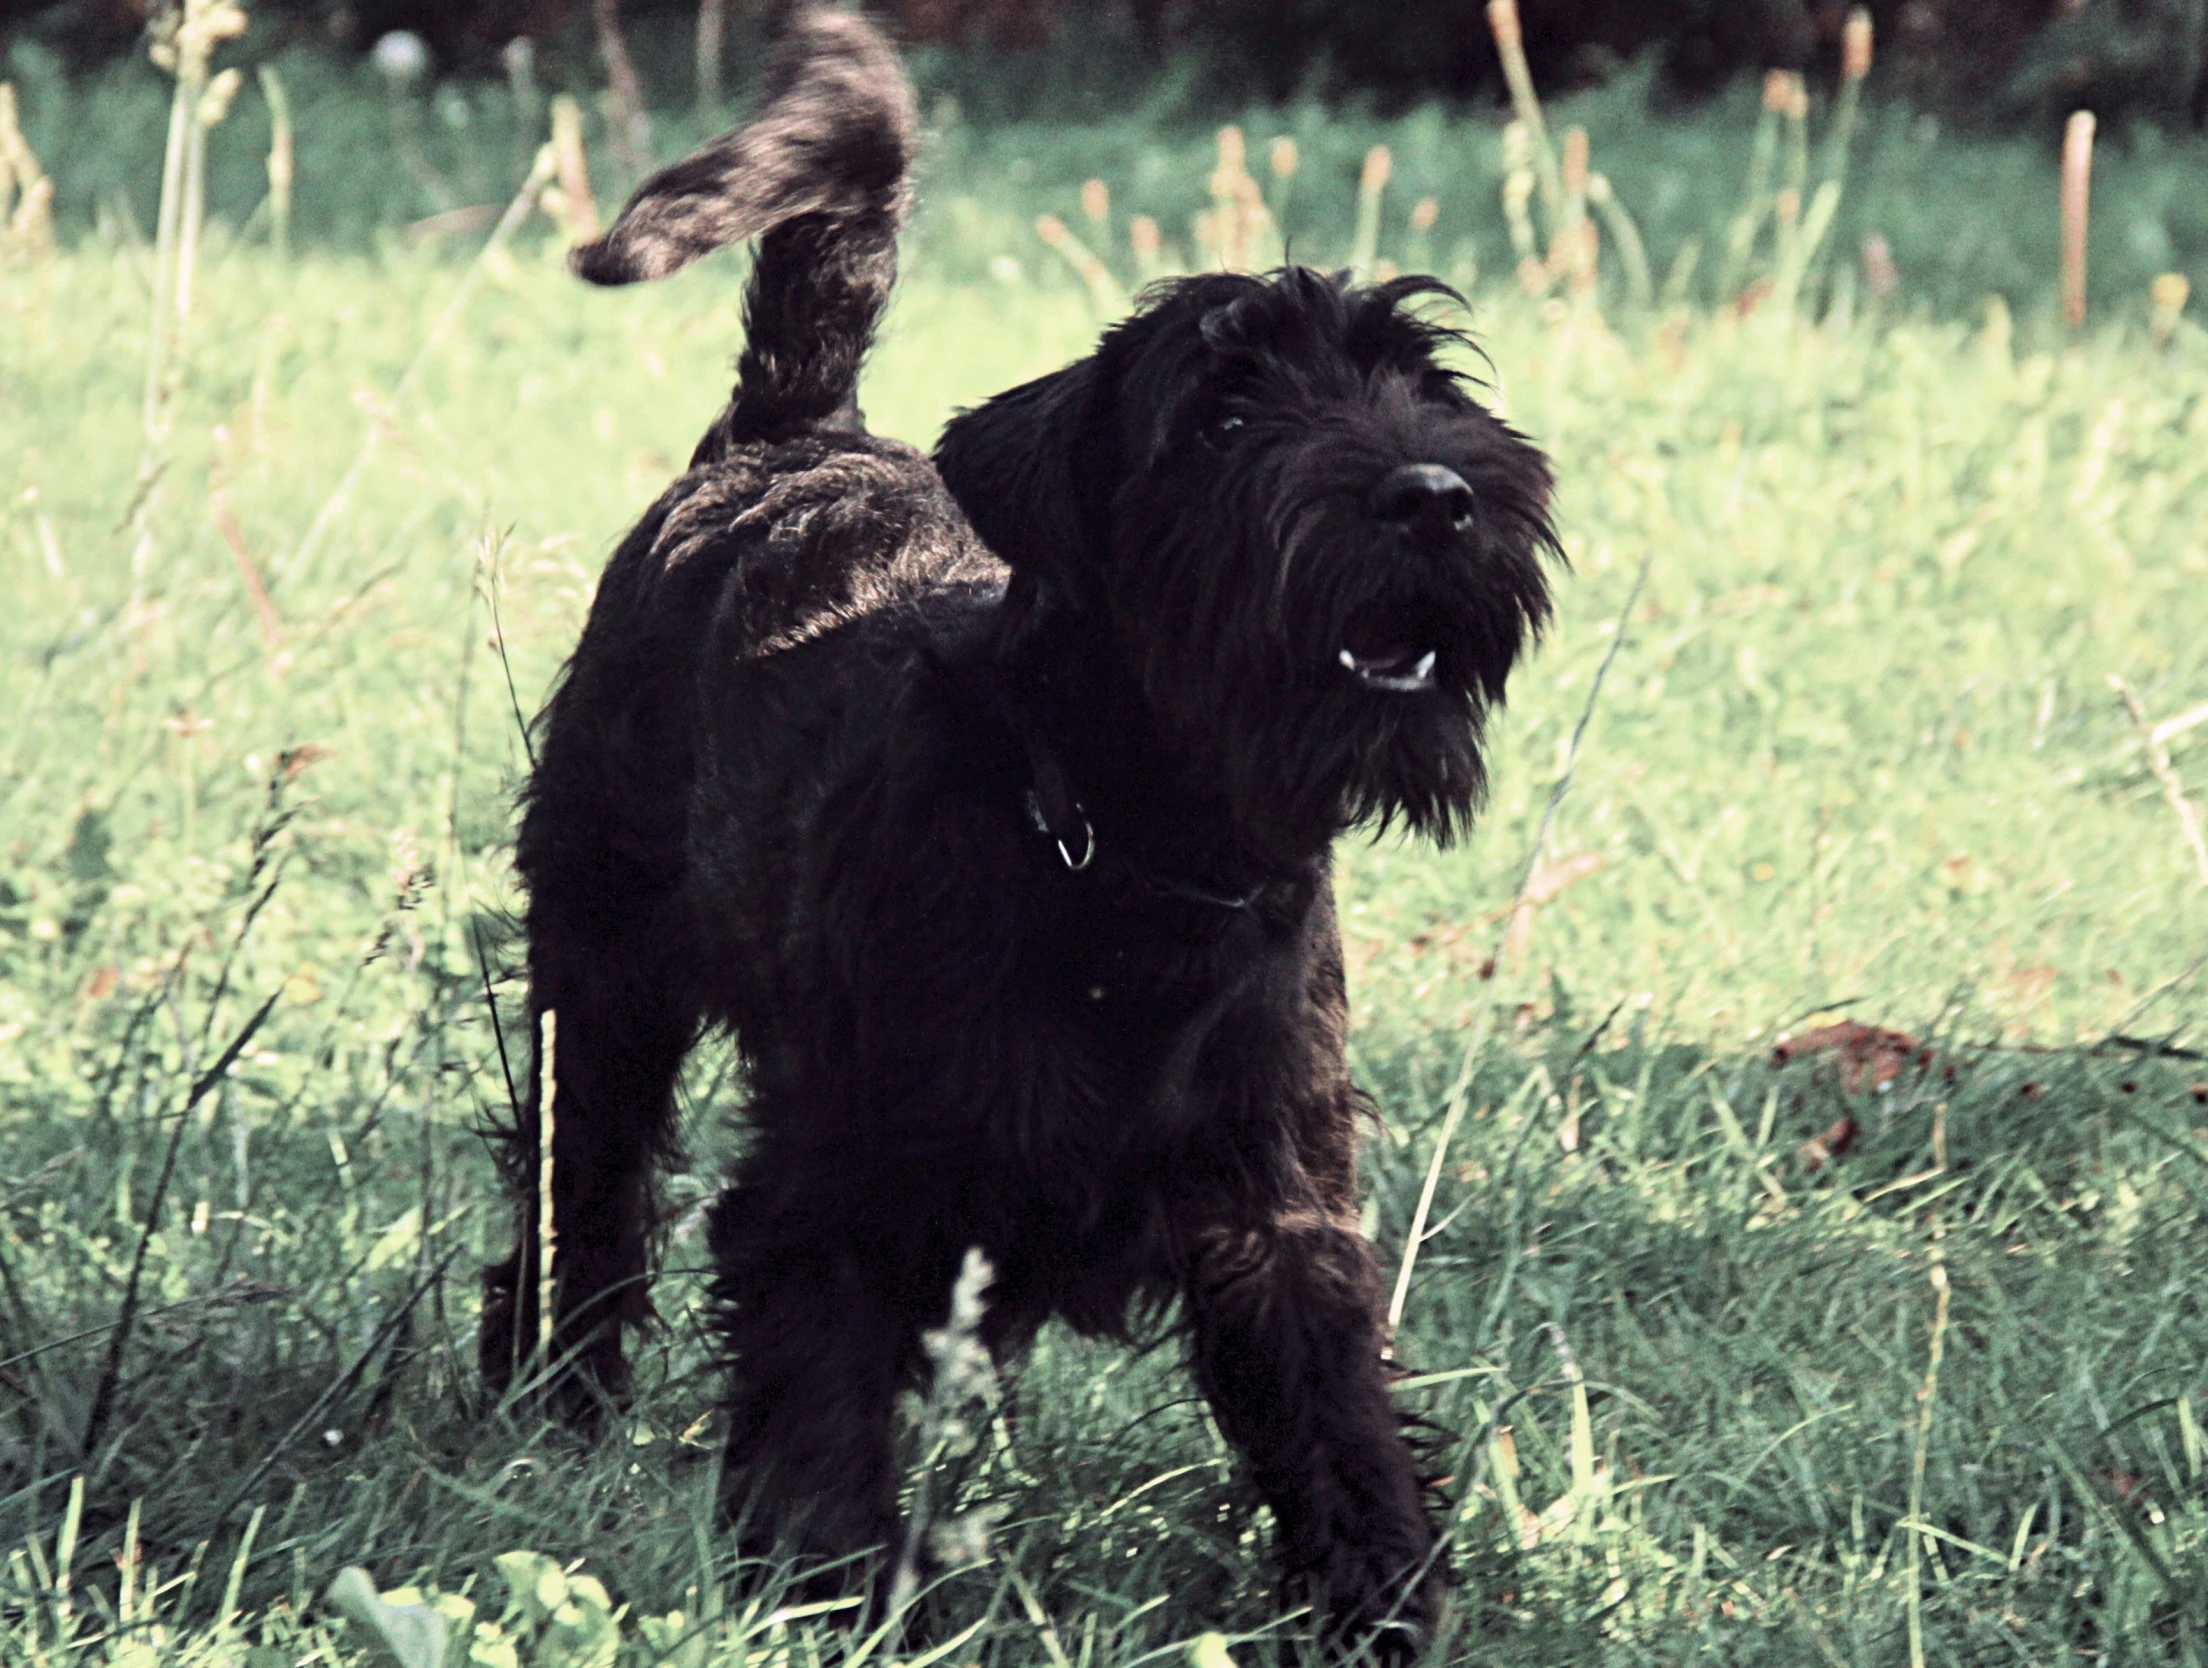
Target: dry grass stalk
[(281, 168), (1574, 252), (1148, 244), (2169, 294), (2154, 738), (548, 1239), (26, 194), (1417, 1235), (1740, 240), (2077, 192), (184, 40), (1104, 290), (1632, 251), (1425, 215), (1879, 270), (1518, 189), (1372, 186), (630, 121), (1236, 231), (570, 203), (712, 37), (249, 571), (1510, 46), (1856, 38), (2171, 728), (1919, 1536)]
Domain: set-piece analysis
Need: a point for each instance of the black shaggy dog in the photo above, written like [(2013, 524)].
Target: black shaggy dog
[(990, 805)]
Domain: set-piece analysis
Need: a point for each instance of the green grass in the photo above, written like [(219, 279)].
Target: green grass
[(1856, 755)]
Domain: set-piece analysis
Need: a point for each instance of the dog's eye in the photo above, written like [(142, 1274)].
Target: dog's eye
[(1220, 431)]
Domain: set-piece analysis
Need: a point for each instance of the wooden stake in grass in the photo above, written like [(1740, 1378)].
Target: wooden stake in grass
[(2077, 193)]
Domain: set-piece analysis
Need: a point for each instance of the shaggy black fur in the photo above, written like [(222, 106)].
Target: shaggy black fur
[(1011, 880)]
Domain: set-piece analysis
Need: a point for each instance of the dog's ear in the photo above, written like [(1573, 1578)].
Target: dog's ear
[(1022, 468)]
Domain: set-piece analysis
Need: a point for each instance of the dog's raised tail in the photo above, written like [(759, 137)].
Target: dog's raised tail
[(819, 176)]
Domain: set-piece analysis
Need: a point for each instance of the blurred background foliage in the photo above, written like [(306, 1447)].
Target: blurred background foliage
[(1998, 62)]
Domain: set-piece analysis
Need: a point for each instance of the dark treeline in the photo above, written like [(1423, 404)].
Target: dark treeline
[(1998, 62)]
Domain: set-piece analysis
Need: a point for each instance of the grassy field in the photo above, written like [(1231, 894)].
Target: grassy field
[(1841, 1360)]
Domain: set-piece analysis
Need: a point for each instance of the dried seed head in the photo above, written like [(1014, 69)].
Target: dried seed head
[(1855, 45), (1426, 211), (1379, 164), (1142, 232), (1233, 151), (214, 103), (1502, 18), (1775, 98), (1282, 154), (2171, 291), (1053, 230), (1096, 201)]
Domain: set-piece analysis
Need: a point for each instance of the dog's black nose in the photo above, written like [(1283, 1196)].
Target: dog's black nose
[(1424, 499)]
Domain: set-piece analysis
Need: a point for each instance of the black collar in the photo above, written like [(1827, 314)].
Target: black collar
[(1053, 807)]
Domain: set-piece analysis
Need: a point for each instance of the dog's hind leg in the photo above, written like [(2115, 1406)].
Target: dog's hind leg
[(1287, 1344), (623, 1022)]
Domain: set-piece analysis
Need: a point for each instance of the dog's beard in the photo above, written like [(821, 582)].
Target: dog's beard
[(1320, 672)]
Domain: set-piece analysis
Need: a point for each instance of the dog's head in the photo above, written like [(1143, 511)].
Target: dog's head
[(1317, 555)]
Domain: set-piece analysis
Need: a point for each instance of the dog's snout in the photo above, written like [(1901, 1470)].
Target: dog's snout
[(1424, 498)]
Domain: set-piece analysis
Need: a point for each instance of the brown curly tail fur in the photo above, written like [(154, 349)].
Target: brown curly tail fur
[(820, 170)]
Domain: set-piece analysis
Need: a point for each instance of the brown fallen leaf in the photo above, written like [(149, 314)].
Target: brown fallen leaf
[(1866, 1051), (1548, 882)]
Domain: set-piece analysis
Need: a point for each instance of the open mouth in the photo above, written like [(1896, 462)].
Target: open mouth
[(1396, 669)]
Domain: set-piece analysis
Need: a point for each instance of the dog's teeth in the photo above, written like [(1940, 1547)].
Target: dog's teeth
[(1424, 669)]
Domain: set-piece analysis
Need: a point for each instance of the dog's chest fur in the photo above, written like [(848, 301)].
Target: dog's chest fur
[(1069, 1055)]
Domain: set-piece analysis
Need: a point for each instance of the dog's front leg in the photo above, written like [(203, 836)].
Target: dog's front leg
[(1287, 1345), (819, 1352)]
